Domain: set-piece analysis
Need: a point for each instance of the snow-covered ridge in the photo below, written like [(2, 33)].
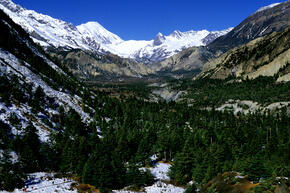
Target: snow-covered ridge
[(48, 31), (267, 7)]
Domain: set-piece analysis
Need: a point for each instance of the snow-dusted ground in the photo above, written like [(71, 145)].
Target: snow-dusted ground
[(246, 106), (160, 172), (21, 111), (9, 64), (13, 156), (24, 72), (46, 183), (168, 95), (161, 187)]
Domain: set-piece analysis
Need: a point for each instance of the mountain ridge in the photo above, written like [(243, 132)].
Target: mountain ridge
[(264, 21)]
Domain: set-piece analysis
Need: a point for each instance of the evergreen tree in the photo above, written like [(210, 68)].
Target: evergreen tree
[(29, 149), (11, 175)]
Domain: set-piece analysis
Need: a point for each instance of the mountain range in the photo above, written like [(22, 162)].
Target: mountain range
[(92, 53), (48, 31)]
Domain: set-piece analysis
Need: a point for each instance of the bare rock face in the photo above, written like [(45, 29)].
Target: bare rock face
[(93, 66), (189, 59)]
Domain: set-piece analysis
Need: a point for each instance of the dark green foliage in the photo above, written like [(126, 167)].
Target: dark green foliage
[(213, 92), (191, 189), (28, 147), (255, 168), (38, 99), (104, 170), (137, 178), (4, 135), (11, 174)]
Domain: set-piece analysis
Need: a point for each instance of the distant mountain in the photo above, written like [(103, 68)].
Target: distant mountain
[(163, 47), (264, 21), (50, 32)]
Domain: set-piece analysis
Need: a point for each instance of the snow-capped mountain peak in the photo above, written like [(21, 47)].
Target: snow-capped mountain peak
[(97, 32), (176, 34), (92, 36), (159, 39)]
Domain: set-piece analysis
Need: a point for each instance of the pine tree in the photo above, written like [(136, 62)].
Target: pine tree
[(255, 168), (30, 149), (38, 100), (11, 175)]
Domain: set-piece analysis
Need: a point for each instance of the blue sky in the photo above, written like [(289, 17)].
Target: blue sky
[(143, 19)]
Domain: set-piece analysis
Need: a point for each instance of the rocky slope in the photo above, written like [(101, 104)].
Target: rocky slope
[(191, 59), (265, 56), (96, 66)]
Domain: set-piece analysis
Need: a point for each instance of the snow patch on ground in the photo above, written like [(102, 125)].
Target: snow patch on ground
[(160, 172), (46, 183), (13, 156), (161, 187), (246, 106)]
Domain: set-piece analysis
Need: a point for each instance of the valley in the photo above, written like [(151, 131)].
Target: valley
[(82, 110)]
